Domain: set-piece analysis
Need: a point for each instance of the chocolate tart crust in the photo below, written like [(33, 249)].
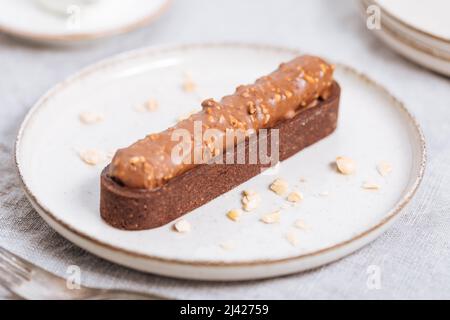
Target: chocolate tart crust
[(138, 209)]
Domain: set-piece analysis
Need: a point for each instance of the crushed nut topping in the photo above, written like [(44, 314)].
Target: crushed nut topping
[(384, 168), (251, 107), (309, 78), (370, 186), (250, 200), (295, 196), (91, 156), (270, 218), (279, 186), (234, 214), (345, 165), (182, 226), (91, 117)]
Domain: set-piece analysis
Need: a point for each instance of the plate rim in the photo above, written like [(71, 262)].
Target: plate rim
[(86, 36), (388, 26), (133, 54)]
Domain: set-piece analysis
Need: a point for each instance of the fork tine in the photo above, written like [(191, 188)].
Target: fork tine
[(24, 264), (11, 263), (8, 278)]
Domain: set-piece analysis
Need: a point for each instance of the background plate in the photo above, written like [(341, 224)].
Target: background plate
[(373, 127), (29, 20)]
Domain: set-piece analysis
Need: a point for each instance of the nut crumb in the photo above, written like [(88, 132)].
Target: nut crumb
[(370, 186), (279, 186), (150, 105), (345, 165), (295, 196), (182, 226), (188, 84), (91, 117), (303, 180), (300, 224), (234, 214), (91, 156), (384, 168), (227, 245), (250, 200), (270, 218), (292, 238)]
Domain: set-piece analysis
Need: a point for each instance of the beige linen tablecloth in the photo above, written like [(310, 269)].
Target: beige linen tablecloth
[(413, 256)]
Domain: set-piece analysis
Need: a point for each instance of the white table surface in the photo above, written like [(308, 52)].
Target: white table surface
[(413, 256)]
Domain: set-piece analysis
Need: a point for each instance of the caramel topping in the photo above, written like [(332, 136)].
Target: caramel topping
[(147, 164)]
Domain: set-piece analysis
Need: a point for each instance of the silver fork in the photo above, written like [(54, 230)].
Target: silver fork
[(28, 281)]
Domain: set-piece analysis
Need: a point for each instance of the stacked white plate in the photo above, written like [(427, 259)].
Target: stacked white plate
[(419, 30)]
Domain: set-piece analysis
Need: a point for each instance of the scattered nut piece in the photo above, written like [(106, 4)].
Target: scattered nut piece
[(270, 218), (292, 238), (182, 226), (227, 245), (189, 84), (303, 180), (91, 117), (279, 186), (345, 165), (384, 168), (234, 214), (152, 105), (324, 194), (91, 156), (250, 200), (295, 196), (371, 186)]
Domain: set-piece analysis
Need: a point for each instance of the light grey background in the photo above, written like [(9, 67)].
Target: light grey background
[(414, 255)]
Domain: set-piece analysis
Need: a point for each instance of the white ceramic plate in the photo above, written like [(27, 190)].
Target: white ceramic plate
[(29, 20), (373, 127)]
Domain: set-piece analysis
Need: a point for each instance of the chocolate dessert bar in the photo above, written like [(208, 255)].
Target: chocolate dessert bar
[(144, 187)]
